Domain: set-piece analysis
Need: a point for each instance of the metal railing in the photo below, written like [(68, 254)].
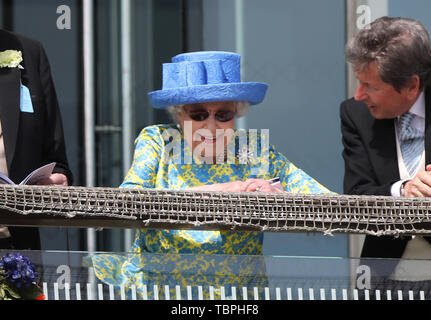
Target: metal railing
[(169, 209)]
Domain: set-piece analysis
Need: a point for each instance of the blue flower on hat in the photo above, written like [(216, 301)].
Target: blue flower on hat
[(205, 76)]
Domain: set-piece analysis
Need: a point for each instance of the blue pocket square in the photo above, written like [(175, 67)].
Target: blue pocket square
[(25, 103)]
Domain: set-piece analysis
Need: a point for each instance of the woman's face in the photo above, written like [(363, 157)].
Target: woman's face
[(208, 127)]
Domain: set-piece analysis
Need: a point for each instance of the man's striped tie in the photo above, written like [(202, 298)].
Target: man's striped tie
[(411, 142)]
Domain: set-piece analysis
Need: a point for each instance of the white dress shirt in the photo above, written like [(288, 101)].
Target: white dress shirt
[(413, 265), (418, 122)]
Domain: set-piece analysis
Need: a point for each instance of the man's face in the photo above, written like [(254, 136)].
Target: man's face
[(383, 101)]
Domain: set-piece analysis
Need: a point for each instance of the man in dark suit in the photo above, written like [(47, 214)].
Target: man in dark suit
[(386, 133), (31, 132)]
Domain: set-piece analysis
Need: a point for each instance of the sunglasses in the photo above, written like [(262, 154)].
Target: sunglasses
[(201, 114)]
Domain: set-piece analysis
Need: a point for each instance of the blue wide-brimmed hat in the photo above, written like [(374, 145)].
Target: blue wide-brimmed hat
[(205, 76)]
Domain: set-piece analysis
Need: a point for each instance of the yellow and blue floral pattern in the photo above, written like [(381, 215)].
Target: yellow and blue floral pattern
[(162, 160)]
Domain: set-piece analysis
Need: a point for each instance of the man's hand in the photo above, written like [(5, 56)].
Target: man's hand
[(55, 179), (420, 186)]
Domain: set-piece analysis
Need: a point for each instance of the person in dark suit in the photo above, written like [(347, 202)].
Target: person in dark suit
[(386, 133), (31, 132)]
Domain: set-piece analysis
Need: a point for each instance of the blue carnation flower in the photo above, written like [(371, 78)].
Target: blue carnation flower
[(20, 271)]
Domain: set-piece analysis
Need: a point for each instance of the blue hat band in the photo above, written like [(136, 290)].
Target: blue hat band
[(253, 92), (193, 73)]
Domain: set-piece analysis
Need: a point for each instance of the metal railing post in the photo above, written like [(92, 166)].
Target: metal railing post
[(89, 117), (127, 87)]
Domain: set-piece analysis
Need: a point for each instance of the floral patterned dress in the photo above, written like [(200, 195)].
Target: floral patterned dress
[(221, 259)]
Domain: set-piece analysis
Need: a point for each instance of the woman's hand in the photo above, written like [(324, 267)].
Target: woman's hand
[(234, 186), (260, 185), (250, 185)]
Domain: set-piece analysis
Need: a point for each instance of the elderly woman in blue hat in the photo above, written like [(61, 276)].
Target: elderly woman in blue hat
[(202, 151)]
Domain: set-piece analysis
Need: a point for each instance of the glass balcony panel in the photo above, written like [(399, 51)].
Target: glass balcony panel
[(133, 276)]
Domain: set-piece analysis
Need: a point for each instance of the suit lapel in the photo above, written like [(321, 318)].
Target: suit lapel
[(10, 96), (383, 143), (9, 41), (9, 109)]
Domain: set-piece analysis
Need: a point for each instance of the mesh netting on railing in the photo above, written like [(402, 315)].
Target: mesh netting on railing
[(149, 208)]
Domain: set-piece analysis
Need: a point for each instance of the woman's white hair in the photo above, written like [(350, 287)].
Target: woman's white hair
[(241, 109)]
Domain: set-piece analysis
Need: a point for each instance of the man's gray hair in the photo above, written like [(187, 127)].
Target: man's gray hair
[(241, 109), (399, 46)]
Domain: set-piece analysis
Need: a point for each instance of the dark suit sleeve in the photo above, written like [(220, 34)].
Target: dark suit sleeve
[(54, 145), (359, 175)]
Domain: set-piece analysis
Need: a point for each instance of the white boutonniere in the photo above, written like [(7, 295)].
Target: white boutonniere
[(10, 59)]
